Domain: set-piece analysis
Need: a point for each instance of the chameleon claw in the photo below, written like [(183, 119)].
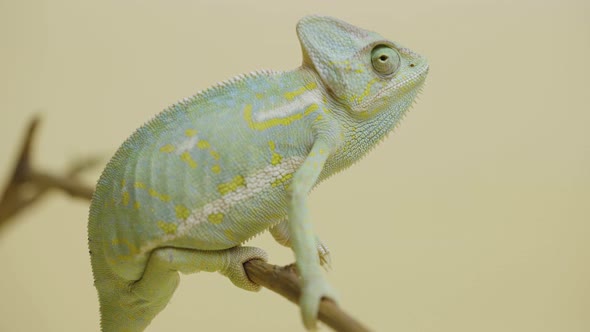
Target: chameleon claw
[(325, 256)]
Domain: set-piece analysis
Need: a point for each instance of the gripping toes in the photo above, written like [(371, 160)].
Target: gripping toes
[(312, 293), (235, 269)]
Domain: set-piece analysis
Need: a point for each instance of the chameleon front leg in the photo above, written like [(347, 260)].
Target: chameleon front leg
[(280, 232), (303, 240), (145, 298)]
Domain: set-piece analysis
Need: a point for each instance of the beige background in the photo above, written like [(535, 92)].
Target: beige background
[(473, 216)]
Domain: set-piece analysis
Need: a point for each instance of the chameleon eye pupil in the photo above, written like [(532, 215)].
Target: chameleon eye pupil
[(383, 58)]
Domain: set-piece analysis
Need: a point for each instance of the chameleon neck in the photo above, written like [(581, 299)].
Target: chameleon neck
[(363, 132)]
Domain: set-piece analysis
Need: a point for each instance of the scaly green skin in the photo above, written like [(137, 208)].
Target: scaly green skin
[(189, 187)]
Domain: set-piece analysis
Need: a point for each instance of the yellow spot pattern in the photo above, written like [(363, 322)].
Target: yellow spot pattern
[(203, 144), (229, 234), (214, 154), (276, 121), (190, 132), (188, 159), (139, 185), (110, 203), (162, 197), (167, 227), (216, 169), (167, 148), (228, 187), (136, 205), (182, 212), (215, 218), (125, 198), (276, 158), (131, 249)]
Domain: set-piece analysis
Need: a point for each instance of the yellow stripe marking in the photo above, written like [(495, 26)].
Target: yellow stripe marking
[(359, 99), (263, 125), (281, 180), (309, 86)]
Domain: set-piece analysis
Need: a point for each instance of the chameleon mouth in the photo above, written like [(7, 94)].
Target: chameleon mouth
[(409, 83)]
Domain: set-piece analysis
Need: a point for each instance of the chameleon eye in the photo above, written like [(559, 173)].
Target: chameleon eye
[(385, 60)]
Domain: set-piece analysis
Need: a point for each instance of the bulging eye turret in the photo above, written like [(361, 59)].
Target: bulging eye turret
[(385, 60)]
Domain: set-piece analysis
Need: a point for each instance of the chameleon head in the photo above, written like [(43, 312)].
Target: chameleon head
[(362, 71)]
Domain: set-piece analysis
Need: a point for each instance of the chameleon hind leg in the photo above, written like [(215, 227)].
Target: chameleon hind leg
[(146, 297), (280, 232)]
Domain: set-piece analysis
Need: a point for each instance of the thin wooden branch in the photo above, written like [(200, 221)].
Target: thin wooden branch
[(28, 185), (69, 185), (285, 282), (12, 200)]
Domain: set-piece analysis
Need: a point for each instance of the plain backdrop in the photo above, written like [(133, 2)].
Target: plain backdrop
[(473, 216)]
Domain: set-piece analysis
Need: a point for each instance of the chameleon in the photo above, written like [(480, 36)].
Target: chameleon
[(189, 187)]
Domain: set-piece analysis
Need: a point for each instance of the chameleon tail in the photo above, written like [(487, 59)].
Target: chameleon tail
[(124, 307)]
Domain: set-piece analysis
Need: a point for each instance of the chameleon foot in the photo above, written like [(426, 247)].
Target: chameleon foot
[(312, 293), (282, 235), (235, 269)]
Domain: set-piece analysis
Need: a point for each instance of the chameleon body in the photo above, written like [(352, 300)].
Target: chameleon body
[(190, 186)]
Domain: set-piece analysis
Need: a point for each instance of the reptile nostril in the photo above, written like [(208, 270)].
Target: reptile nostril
[(412, 65)]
